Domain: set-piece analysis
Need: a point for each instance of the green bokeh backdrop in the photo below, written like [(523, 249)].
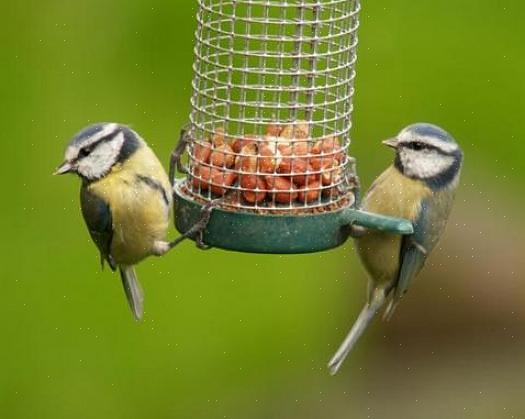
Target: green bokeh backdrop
[(247, 336)]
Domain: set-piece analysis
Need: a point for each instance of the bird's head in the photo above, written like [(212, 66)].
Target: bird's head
[(93, 152), (428, 153)]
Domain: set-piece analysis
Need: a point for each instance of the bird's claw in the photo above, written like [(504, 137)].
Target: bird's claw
[(356, 231), (199, 242), (203, 223), (197, 230)]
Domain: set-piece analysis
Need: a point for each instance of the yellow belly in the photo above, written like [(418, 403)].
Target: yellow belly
[(140, 215), (398, 196)]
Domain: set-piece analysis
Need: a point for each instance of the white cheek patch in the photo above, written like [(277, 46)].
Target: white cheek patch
[(425, 164), (102, 158)]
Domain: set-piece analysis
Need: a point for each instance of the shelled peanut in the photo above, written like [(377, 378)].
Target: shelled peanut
[(283, 166)]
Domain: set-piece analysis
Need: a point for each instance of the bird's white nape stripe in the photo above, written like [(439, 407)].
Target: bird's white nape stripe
[(440, 144), (107, 130)]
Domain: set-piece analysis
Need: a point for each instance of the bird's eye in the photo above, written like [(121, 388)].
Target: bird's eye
[(417, 146), (84, 152)]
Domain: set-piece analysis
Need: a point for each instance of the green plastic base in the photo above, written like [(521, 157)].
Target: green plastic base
[(279, 234)]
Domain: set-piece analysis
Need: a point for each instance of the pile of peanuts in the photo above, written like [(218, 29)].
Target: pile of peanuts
[(272, 168)]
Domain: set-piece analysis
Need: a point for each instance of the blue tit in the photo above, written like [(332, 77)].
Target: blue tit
[(419, 186), (125, 199)]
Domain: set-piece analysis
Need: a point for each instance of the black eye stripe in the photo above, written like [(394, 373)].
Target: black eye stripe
[(420, 145), (84, 152), (87, 150), (417, 145)]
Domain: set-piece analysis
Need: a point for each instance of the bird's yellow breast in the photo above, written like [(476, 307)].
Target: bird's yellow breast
[(395, 195), (140, 213)]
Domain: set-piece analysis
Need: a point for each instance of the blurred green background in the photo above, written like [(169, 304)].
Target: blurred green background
[(243, 336)]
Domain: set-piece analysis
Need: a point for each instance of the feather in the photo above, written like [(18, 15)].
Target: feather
[(97, 216), (133, 291), (360, 325)]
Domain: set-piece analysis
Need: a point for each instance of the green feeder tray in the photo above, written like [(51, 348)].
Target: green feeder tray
[(279, 234)]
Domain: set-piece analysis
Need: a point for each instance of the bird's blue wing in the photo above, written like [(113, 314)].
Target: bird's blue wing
[(97, 215), (412, 258)]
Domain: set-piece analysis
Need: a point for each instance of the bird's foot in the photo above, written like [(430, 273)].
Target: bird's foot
[(203, 223), (356, 231), (197, 231), (199, 242)]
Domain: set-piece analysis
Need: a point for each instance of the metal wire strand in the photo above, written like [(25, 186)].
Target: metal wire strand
[(273, 63)]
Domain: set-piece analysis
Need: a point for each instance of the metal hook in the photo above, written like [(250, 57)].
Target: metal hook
[(175, 159)]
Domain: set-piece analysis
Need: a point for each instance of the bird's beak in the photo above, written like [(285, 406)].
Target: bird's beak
[(391, 142), (64, 168)]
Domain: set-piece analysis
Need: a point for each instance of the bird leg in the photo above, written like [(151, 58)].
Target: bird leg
[(356, 231), (196, 231), (175, 159)]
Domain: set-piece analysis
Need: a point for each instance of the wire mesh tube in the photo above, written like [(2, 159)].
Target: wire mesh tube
[(272, 104)]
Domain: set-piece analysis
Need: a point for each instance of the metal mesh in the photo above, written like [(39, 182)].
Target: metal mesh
[(272, 103)]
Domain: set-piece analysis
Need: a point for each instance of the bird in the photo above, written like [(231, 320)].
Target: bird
[(125, 198), (419, 186)]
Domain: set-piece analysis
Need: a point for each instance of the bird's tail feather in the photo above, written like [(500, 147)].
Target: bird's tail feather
[(133, 291), (362, 322)]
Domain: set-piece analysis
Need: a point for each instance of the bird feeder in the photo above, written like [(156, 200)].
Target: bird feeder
[(269, 130)]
